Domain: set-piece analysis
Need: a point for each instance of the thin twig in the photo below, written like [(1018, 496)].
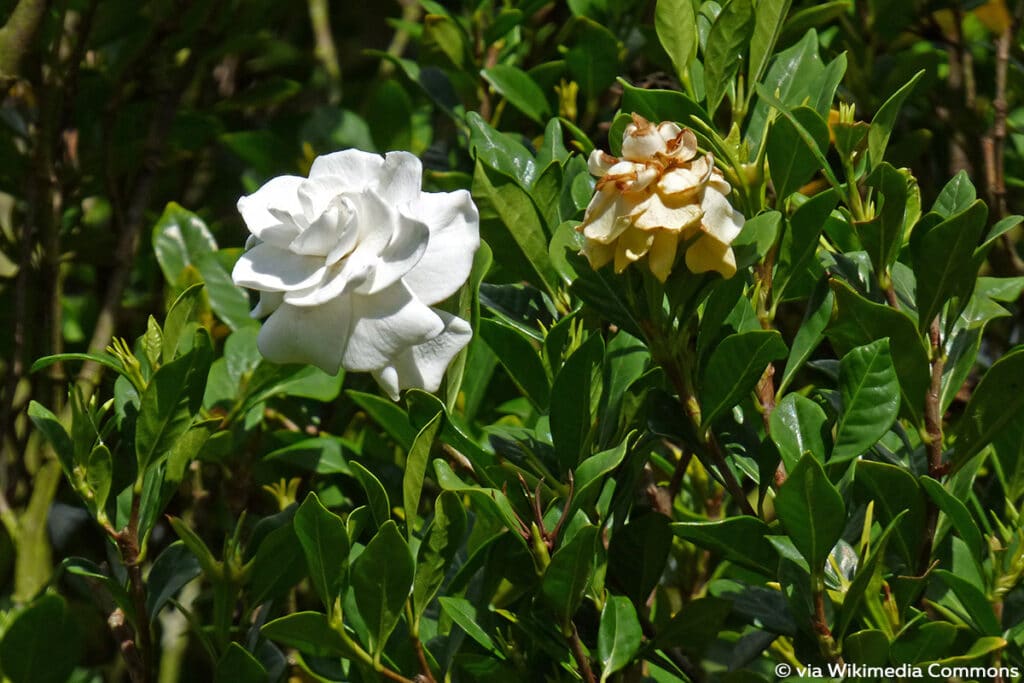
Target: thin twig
[(933, 430), (580, 656)]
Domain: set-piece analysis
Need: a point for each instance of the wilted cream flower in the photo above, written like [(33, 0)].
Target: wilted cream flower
[(350, 262), (659, 195)]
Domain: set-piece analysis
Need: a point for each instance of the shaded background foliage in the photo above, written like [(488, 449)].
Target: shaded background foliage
[(115, 109)]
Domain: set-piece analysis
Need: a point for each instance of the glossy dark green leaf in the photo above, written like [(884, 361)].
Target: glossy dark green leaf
[(695, 627), (500, 151), (173, 396), (522, 92), (179, 315), (570, 573), (812, 511), (307, 632), (734, 368), (444, 41), (758, 236), (974, 601), (959, 516), (376, 495), (676, 25), (237, 665), (212, 567), (279, 564), (47, 423), (792, 74), (810, 333), (997, 401), (657, 105), (464, 613), (382, 577), (1009, 448), (322, 455), (517, 355), (925, 643), (955, 196), (885, 120), (42, 643), (619, 635), (769, 18), (103, 359), (325, 544), (637, 554), (487, 500), (438, 549), (791, 162), (574, 397), (800, 239), (943, 260), (858, 322), (869, 647), (388, 415), (870, 396), (727, 41), (797, 425), (590, 475), (882, 236), (894, 490), (171, 570), (739, 539), (512, 227), (416, 468)]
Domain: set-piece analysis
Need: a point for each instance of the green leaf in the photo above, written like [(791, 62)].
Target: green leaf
[(792, 75), (181, 240), (734, 368), (42, 644), (756, 239), (512, 227), (376, 494), (438, 550), (958, 515), (590, 475), (325, 544), (522, 92), (997, 401), (619, 635), (570, 573), (179, 315), (416, 469), (637, 554), (926, 643), (388, 415), (797, 425), (870, 394), (955, 196), (769, 18), (574, 396), (173, 396), (869, 647), (47, 423), (695, 627), (279, 564), (676, 25), (974, 601), (729, 36), (98, 475), (738, 539), (885, 119), (382, 577), (593, 60), (791, 161), (517, 355), (489, 501), (103, 359), (800, 240), (237, 665), (657, 105), (321, 454), (209, 564), (810, 333), (944, 260), (444, 41), (464, 613), (894, 491), (858, 321), (171, 570), (812, 511), (308, 632), (500, 151), (882, 236)]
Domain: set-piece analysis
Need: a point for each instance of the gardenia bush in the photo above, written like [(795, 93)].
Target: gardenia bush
[(586, 341)]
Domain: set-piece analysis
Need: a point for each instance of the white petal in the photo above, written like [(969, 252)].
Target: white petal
[(409, 239), (324, 234), (423, 366), (401, 177), (266, 211), (332, 175), (605, 218), (721, 220), (641, 140), (386, 324), (454, 225), (268, 268), (599, 162), (708, 254), (655, 213), (317, 335), (267, 304)]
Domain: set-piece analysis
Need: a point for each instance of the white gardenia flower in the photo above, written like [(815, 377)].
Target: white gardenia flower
[(348, 263), (660, 196)]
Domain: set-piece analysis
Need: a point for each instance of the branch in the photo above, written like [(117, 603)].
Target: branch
[(17, 36), (580, 656), (320, 17), (933, 428)]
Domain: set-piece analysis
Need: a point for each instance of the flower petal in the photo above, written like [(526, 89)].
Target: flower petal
[(267, 304), (721, 221), (632, 246), (641, 141), (329, 231), (268, 268), (423, 366), (331, 175), (708, 254), (265, 211), (662, 256), (386, 324), (605, 218), (599, 255), (599, 162), (297, 334), (454, 225), (657, 213)]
